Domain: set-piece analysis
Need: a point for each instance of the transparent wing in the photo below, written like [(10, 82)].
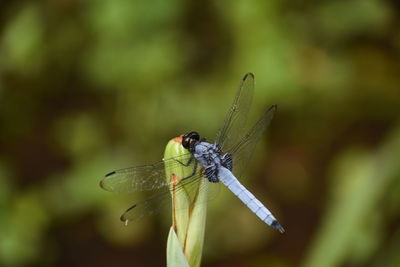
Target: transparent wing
[(236, 118), (162, 199), (242, 151), (147, 177)]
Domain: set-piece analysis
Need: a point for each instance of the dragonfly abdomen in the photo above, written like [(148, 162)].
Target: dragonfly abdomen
[(230, 181)]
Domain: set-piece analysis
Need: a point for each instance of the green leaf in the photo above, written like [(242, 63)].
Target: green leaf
[(175, 256), (188, 206), (196, 229), (180, 199)]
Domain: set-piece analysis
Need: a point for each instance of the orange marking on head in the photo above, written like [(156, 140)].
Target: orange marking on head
[(178, 139)]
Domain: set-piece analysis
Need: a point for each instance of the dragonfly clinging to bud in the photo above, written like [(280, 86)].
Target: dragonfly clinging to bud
[(222, 161)]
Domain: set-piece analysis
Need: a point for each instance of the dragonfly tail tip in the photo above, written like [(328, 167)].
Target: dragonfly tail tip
[(275, 224)]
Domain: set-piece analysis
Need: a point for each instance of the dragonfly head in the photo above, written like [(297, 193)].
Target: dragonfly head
[(190, 140)]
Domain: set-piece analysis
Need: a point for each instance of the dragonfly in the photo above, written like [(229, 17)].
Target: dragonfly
[(221, 162)]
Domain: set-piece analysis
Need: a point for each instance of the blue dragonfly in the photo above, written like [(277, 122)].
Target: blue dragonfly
[(221, 162)]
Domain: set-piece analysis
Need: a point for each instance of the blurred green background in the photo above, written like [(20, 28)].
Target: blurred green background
[(87, 87)]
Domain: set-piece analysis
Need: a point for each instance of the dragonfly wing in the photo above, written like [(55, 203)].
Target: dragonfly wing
[(147, 177), (236, 118), (162, 199), (147, 207), (244, 149)]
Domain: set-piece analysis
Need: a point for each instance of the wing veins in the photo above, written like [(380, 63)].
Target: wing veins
[(145, 177)]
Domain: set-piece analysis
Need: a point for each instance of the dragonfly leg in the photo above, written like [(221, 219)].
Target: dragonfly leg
[(193, 173), (187, 163)]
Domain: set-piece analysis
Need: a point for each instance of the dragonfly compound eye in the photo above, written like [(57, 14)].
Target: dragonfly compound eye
[(190, 139), (186, 142), (193, 135)]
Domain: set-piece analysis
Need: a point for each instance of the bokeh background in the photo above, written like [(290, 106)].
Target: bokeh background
[(87, 87)]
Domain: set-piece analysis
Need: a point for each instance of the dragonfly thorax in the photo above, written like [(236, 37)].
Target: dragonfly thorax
[(209, 155)]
